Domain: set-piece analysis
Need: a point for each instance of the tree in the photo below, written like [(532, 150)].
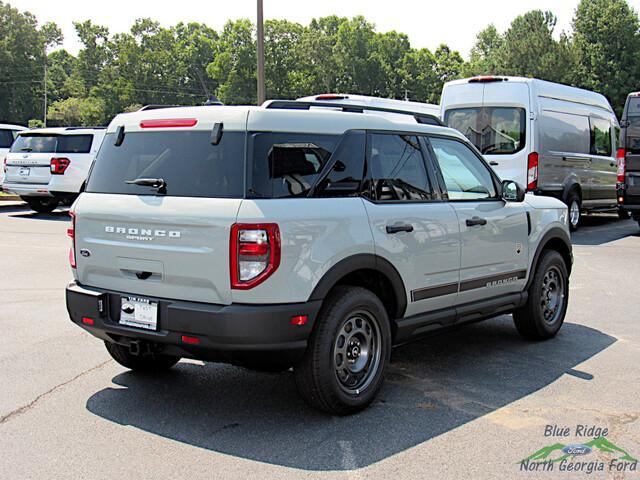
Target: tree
[(447, 67), (282, 58), (607, 48), (75, 111), (419, 76), (485, 54)]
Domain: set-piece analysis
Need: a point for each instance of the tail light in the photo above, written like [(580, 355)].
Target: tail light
[(71, 232), (254, 254), (4, 165), (622, 164), (59, 165), (532, 171)]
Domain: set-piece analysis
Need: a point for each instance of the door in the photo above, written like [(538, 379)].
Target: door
[(412, 227), (603, 169), (493, 233)]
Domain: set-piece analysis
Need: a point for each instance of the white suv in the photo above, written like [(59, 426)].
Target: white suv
[(49, 166), (8, 134)]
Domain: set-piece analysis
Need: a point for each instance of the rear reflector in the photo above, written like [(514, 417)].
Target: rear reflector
[(532, 171), (168, 122), (190, 340), (299, 319), (87, 321)]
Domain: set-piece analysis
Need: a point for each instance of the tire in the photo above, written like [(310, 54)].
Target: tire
[(541, 321), (623, 214), (150, 362), (43, 204), (574, 202), (349, 349)]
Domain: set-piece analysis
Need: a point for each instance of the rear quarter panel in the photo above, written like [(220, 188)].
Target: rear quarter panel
[(316, 234), (546, 214)]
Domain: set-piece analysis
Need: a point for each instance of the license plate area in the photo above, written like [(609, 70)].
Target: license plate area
[(24, 171), (139, 312)]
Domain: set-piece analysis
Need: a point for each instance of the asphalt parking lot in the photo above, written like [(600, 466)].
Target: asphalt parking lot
[(470, 403)]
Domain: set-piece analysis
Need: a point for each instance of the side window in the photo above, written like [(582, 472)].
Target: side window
[(74, 143), (397, 169), (6, 138), (465, 176), (345, 177), (600, 137), (288, 164)]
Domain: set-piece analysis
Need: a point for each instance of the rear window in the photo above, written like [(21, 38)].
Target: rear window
[(53, 143), (6, 138), (187, 161), (288, 164), (493, 130), (632, 141)]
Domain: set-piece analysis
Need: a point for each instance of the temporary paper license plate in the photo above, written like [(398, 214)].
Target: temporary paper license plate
[(139, 312)]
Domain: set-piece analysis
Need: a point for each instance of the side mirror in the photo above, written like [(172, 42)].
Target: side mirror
[(512, 191)]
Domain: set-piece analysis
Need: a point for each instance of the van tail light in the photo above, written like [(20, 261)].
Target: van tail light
[(71, 232), (59, 165), (622, 164), (254, 253), (532, 171)]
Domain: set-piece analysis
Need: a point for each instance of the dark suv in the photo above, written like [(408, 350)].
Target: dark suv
[(629, 158)]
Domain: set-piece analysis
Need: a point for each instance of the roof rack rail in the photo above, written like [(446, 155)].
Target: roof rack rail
[(420, 117), (85, 128), (158, 107)]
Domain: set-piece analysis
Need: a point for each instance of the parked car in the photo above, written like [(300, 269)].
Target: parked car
[(8, 134), (295, 236), (379, 106), (49, 166), (557, 140), (629, 158)]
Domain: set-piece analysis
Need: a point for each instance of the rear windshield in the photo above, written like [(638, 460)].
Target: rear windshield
[(6, 138), (53, 143), (632, 141), (633, 107), (493, 130), (187, 162)]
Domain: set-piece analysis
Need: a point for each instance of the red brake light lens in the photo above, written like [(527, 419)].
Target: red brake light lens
[(532, 171), (71, 232), (331, 96), (169, 122), (254, 253), (59, 165), (622, 164)]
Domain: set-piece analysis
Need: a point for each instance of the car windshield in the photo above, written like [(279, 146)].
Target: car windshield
[(493, 130)]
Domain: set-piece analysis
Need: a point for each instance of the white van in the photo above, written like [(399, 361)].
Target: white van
[(386, 107), (554, 139), (8, 134), (49, 166)]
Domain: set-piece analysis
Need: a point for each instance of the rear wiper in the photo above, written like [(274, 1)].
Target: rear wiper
[(158, 183)]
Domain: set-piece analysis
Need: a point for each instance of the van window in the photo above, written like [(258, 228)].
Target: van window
[(187, 161), (35, 143), (632, 141), (564, 132), (287, 165), (397, 169), (600, 141), (74, 143), (493, 130), (6, 138)]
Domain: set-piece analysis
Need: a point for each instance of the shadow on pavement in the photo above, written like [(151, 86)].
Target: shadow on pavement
[(600, 229), (57, 215), (433, 386)]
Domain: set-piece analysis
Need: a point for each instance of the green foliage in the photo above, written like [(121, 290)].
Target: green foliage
[(35, 123), (76, 111)]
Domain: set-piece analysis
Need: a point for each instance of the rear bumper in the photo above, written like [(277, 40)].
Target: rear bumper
[(27, 189), (232, 333)]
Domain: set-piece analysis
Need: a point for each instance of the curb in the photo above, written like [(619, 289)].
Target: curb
[(10, 198)]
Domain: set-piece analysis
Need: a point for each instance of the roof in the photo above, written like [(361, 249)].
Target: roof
[(251, 118), (547, 89), (62, 130), (351, 99), (9, 126)]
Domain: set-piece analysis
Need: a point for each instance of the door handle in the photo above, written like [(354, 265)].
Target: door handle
[(472, 222), (494, 164), (399, 227)]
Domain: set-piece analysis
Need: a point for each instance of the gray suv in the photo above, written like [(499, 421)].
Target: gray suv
[(304, 235)]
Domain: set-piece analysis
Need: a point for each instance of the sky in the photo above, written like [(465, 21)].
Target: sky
[(428, 23)]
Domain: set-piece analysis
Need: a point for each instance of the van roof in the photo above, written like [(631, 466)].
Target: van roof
[(546, 89), (329, 121), (9, 126)]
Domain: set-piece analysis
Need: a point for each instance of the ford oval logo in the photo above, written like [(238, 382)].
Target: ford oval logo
[(128, 308), (577, 449), (85, 253)]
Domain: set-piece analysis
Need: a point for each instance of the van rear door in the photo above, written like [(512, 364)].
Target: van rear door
[(169, 241), (631, 139)]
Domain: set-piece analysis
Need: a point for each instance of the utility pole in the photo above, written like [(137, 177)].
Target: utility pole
[(260, 33), (44, 119)]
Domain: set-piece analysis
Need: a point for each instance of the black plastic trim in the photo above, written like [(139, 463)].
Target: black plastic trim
[(554, 233)]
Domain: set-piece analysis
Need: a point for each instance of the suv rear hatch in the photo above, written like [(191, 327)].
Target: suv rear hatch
[(163, 242), (631, 133)]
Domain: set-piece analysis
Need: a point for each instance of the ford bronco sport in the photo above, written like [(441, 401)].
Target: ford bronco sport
[(296, 235)]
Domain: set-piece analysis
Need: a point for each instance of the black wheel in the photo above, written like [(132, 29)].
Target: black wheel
[(574, 202), (543, 314), (623, 214), (343, 368), (42, 204), (150, 362)]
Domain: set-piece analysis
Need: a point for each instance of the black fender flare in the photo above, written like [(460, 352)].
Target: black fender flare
[(555, 233), (359, 262), (570, 184)]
